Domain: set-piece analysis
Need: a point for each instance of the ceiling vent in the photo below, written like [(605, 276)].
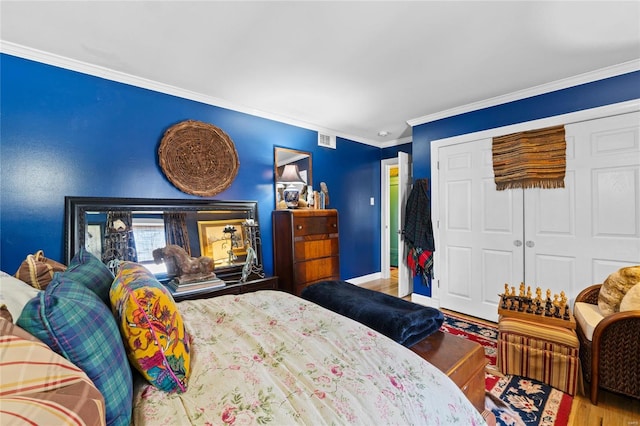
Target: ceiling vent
[(327, 141)]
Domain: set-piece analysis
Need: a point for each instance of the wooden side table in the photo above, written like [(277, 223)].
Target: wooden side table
[(461, 359), (541, 348)]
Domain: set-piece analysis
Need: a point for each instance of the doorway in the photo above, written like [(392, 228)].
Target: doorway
[(395, 187), (386, 206)]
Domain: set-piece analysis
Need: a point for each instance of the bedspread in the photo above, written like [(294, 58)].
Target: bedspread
[(273, 358)]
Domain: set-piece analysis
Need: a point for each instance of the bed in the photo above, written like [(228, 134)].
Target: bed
[(269, 357), (266, 357)]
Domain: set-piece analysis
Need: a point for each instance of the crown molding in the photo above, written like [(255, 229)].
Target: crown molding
[(120, 77), (589, 77)]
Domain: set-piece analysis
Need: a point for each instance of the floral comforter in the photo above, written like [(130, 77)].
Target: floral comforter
[(272, 358)]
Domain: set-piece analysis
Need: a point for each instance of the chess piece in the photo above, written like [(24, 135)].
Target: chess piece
[(555, 300), (521, 292), (538, 293), (513, 291), (538, 307), (547, 306), (566, 316), (529, 308), (520, 304), (529, 292), (504, 302)]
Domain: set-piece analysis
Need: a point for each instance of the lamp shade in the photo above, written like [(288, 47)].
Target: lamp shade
[(290, 174)]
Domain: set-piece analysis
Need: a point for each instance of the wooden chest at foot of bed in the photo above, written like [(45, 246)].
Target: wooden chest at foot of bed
[(460, 359)]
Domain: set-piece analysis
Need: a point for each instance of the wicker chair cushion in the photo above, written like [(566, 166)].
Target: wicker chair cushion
[(587, 316), (631, 300)]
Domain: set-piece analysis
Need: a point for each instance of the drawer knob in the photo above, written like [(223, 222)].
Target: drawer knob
[(335, 225), (299, 227)]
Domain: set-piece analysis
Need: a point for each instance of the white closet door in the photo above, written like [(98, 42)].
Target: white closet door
[(571, 237), (479, 247), (580, 234)]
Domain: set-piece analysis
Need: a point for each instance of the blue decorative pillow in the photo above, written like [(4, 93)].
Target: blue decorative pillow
[(73, 322), (88, 270)]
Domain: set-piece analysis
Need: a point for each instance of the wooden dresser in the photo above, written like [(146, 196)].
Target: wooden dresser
[(305, 247)]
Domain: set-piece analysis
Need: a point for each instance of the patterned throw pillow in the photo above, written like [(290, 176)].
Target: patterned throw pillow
[(88, 270), (631, 300), (152, 329), (73, 322), (615, 287)]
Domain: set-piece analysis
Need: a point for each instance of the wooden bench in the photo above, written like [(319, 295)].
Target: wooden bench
[(460, 359)]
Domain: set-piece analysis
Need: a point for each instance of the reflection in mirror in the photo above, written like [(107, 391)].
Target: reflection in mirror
[(301, 159), (132, 229)]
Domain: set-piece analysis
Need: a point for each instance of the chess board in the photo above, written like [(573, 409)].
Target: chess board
[(525, 306)]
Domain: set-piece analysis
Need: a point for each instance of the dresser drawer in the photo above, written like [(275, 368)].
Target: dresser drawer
[(309, 271), (313, 249), (313, 225)]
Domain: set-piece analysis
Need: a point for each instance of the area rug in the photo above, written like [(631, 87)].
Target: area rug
[(534, 402)]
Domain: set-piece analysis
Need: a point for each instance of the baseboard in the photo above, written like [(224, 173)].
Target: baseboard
[(425, 300), (365, 278)]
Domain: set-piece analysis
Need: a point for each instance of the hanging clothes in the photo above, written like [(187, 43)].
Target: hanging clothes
[(418, 231)]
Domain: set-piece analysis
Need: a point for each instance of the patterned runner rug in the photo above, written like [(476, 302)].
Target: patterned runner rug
[(533, 402)]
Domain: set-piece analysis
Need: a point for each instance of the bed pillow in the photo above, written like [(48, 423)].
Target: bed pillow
[(43, 387), (88, 270), (73, 322), (615, 287), (15, 294), (154, 335)]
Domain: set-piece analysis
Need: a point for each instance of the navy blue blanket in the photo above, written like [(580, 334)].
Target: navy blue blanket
[(405, 322)]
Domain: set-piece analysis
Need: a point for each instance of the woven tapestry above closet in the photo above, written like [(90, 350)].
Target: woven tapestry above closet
[(531, 159)]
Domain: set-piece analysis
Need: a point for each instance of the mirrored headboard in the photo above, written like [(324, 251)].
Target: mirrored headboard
[(132, 228)]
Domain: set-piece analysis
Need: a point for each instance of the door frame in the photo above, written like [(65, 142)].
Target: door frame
[(564, 119), (385, 224)]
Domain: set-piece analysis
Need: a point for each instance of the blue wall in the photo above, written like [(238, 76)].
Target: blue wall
[(585, 96), (67, 133)]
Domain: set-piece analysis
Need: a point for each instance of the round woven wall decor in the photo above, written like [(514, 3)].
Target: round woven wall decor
[(198, 158)]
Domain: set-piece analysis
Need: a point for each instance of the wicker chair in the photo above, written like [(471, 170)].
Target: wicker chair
[(611, 360)]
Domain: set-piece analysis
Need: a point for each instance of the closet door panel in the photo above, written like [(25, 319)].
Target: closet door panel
[(576, 236), (481, 232)]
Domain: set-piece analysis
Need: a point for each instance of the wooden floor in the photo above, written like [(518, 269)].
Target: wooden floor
[(612, 409)]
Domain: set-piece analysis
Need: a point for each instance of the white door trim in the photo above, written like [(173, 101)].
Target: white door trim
[(385, 205), (556, 120)]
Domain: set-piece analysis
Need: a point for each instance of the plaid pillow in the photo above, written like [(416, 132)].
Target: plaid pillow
[(73, 322), (88, 270), (154, 335)]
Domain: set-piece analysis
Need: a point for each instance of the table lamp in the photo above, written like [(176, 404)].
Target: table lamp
[(291, 177)]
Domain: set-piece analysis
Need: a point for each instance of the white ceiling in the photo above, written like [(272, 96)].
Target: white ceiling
[(345, 68)]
